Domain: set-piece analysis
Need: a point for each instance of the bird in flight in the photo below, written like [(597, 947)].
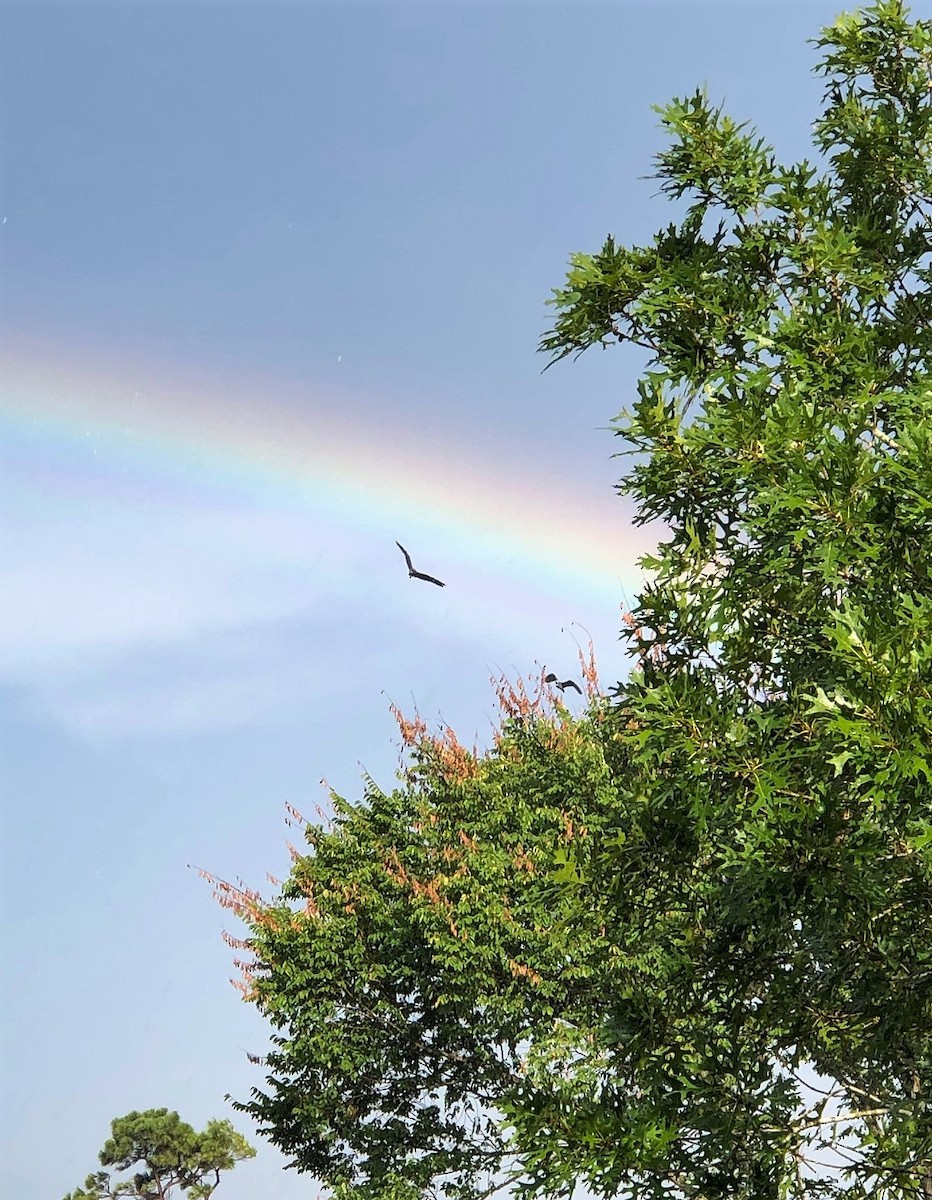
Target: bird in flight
[(412, 574), (562, 684)]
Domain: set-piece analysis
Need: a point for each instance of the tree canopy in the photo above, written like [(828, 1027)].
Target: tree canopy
[(171, 1155), (680, 945)]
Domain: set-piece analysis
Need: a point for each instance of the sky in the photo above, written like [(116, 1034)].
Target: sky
[(272, 279)]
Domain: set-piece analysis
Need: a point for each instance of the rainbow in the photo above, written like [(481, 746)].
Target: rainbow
[(306, 446)]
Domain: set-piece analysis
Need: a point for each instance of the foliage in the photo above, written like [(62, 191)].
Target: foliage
[(680, 945), (171, 1153)]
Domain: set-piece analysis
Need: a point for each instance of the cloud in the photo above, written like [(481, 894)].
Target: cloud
[(152, 699), (278, 669), (87, 578)]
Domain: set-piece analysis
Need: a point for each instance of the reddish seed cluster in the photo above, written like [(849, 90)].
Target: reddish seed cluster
[(456, 762), (468, 842), (518, 969), (411, 731), (588, 668), (239, 899), (656, 651), (294, 817), (522, 861), (513, 699)]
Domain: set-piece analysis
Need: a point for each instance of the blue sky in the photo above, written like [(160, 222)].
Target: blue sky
[(232, 221)]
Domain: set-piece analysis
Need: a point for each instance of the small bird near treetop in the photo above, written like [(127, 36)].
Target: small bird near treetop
[(562, 684)]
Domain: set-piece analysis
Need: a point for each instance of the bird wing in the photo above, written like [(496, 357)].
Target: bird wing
[(406, 554), (428, 578), (571, 683)]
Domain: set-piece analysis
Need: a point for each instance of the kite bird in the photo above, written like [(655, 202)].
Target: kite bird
[(562, 684), (412, 574)]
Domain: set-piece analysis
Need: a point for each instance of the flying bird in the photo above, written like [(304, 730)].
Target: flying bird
[(412, 574), (562, 684)]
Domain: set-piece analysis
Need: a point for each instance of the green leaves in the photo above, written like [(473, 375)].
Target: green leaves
[(679, 946), (781, 721), (712, 157), (424, 939)]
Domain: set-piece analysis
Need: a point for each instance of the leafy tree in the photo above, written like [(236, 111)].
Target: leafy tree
[(171, 1154), (679, 946)]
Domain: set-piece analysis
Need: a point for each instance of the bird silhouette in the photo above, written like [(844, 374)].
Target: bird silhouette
[(562, 684), (412, 574)]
